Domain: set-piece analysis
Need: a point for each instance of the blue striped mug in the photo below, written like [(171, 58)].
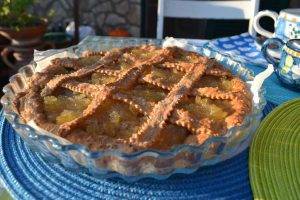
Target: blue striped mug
[(287, 68)]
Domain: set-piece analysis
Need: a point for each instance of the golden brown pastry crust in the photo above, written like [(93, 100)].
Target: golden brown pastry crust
[(190, 69)]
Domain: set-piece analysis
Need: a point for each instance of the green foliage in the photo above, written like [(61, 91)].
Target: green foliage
[(14, 14)]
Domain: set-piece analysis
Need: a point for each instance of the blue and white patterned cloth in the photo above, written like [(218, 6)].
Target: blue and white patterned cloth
[(242, 47)]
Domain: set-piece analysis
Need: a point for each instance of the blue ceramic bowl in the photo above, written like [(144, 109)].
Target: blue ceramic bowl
[(146, 163)]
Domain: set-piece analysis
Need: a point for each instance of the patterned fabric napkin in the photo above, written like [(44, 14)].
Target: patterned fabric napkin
[(242, 47)]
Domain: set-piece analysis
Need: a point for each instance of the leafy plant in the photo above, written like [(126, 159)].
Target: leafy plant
[(14, 14)]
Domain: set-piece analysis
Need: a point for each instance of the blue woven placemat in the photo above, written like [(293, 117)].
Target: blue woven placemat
[(242, 48), (27, 176)]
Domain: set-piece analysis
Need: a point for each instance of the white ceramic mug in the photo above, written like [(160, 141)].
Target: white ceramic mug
[(287, 24)]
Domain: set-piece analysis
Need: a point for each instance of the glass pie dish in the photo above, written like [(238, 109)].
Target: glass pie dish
[(144, 163)]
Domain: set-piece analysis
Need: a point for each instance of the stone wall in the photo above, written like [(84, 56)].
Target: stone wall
[(103, 15)]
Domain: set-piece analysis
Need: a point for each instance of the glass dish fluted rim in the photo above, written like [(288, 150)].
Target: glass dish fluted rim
[(235, 66)]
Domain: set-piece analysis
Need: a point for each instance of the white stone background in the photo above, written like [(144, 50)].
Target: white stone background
[(102, 15)]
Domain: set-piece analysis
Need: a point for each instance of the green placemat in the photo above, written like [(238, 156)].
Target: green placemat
[(274, 161), (5, 196)]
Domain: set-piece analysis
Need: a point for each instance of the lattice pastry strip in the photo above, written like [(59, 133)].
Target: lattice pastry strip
[(215, 70), (109, 72), (88, 58), (148, 79), (179, 117), (109, 58), (99, 96), (183, 67), (139, 103), (105, 91), (215, 93), (161, 111)]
